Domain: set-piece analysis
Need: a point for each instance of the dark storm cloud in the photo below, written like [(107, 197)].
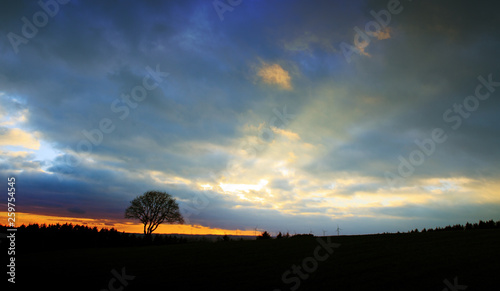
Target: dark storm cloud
[(76, 210), (432, 62)]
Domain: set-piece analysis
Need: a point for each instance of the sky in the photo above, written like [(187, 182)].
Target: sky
[(298, 116)]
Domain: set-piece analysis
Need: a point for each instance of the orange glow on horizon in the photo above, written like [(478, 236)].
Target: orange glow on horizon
[(123, 225)]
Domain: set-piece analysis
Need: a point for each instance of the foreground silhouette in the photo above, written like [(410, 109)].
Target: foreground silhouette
[(153, 208)]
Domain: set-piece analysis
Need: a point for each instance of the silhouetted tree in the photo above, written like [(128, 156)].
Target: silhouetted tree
[(153, 208), (264, 235), (279, 235)]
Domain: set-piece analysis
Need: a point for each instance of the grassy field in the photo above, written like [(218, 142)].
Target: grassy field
[(416, 261)]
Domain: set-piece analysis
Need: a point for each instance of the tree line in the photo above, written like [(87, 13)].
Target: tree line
[(41, 237), (490, 224)]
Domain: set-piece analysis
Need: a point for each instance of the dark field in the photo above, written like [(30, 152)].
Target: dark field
[(416, 261)]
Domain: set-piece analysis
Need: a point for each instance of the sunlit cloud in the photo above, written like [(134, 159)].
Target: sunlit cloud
[(384, 33), (381, 34), (243, 187), (18, 137), (275, 74), (286, 133), (11, 120), (163, 178)]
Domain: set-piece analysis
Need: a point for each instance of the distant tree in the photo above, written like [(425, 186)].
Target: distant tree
[(279, 235), (264, 235), (226, 238), (153, 208)]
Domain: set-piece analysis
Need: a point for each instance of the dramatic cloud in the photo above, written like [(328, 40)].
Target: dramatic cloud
[(18, 137), (283, 116), (274, 74)]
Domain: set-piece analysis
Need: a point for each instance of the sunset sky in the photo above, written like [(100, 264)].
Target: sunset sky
[(376, 116)]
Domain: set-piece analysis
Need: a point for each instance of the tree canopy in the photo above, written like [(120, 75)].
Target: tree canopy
[(153, 208)]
